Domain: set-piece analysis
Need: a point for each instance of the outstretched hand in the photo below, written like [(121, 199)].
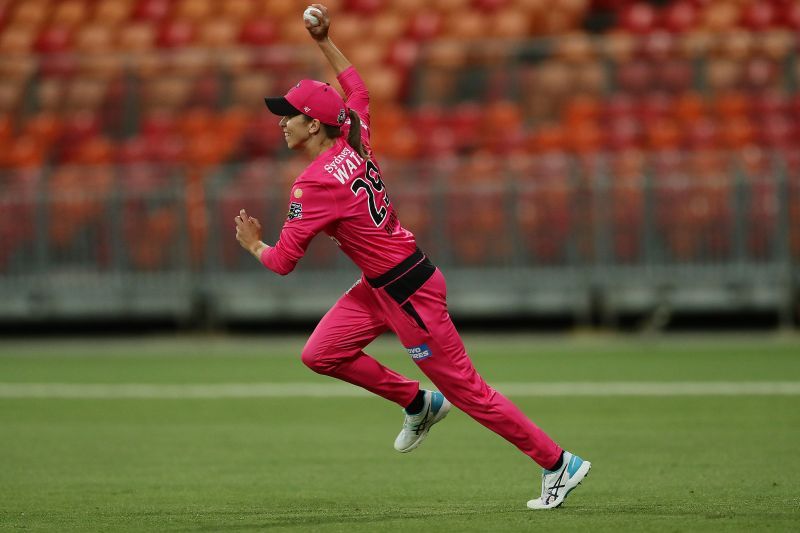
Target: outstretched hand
[(320, 31), (248, 232)]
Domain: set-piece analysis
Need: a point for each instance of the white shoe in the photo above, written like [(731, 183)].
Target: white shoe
[(416, 427), (557, 484)]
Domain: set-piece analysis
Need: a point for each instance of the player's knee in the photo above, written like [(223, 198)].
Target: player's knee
[(315, 361)]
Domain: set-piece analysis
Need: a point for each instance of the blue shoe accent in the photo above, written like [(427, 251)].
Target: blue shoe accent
[(574, 464), (437, 399)]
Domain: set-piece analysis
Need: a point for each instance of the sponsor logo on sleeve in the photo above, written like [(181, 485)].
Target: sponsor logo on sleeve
[(295, 211), (418, 353)]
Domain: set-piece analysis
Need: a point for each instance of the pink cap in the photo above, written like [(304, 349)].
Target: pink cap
[(313, 98)]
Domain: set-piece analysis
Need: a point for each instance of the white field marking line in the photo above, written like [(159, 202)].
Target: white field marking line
[(342, 390)]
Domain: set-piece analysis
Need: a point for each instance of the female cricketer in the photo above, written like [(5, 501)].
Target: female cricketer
[(342, 193)]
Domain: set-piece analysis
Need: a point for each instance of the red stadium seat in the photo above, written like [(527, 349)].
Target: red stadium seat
[(654, 106), (791, 15), (424, 26), (175, 33), (679, 17), (761, 74), (635, 77), (152, 11), (365, 7), (776, 130), (54, 39), (624, 133), (258, 32), (759, 16), (675, 75), (637, 17), (702, 133)]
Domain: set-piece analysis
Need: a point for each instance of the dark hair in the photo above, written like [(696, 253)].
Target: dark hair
[(353, 137)]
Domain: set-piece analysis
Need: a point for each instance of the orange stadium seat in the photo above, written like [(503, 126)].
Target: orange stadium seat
[(510, 24), (387, 26), (719, 16), (688, 107), (112, 13), (194, 10), (731, 104), (24, 152), (30, 13), (723, 75), (218, 33), (70, 13), (585, 138), (238, 10), (737, 132)]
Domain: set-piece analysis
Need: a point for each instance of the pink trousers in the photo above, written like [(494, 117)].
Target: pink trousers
[(423, 325)]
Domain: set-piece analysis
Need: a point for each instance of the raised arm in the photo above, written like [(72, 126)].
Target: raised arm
[(319, 33), (355, 90)]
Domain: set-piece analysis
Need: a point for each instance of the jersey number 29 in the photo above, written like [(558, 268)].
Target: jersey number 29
[(372, 184)]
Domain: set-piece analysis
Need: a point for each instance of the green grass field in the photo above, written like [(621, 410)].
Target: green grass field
[(141, 461)]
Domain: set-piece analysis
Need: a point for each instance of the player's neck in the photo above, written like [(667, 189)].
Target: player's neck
[(317, 145)]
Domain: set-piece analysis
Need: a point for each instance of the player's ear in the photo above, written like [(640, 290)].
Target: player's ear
[(314, 126)]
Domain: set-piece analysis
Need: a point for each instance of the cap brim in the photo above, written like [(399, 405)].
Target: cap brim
[(281, 106)]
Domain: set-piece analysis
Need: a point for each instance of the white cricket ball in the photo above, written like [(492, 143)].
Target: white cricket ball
[(312, 15)]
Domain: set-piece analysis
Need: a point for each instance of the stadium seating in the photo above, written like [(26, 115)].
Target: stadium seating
[(178, 84)]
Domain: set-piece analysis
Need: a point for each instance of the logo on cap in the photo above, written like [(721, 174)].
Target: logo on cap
[(340, 118)]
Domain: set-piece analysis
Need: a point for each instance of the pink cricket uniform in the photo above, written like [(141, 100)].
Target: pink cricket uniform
[(343, 195)]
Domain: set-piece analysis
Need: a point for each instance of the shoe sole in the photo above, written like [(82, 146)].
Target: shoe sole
[(436, 419), (580, 475)]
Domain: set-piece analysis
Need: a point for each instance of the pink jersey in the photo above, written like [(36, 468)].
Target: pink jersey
[(343, 195)]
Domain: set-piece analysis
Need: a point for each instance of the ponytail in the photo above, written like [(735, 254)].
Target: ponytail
[(354, 135)]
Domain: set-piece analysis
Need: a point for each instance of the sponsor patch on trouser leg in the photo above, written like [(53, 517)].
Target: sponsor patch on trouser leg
[(418, 353)]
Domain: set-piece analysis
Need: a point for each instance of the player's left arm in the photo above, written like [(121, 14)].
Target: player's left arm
[(311, 209)]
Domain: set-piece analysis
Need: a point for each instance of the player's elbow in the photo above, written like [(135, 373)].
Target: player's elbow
[(284, 270)]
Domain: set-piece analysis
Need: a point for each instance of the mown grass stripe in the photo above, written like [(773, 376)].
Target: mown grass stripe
[(301, 389)]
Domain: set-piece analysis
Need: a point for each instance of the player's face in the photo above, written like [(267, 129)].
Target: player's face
[(295, 130)]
